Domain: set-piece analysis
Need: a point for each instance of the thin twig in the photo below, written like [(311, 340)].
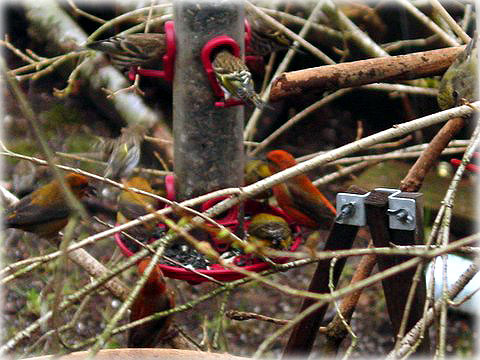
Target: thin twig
[(450, 21), (428, 23)]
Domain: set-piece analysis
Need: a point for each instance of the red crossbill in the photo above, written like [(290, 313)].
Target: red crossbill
[(45, 211), (298, 197), (155, 296)]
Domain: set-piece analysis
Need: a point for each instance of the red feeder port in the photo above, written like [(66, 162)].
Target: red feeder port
[(168, 59), (170, 187)]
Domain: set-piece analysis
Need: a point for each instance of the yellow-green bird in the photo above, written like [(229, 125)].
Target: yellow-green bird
[(256, 170), (235, 78), (132, 205), (268, 231), (265, 39), (143, 49), (125, 152), (460, 81)]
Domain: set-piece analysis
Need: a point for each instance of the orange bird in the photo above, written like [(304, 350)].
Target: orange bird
[(154, 297), (45, 211), (298, 197)]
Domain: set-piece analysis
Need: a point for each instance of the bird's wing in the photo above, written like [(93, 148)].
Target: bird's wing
[(148, 334), (312, 207), (26, 213)]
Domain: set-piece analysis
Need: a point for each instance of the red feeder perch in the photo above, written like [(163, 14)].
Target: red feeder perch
[(230, 220), (470, 167), (168, 59), (217, 42)]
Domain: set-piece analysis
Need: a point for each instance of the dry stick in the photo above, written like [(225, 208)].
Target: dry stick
[(409, 43), (79, 11), (446, 207), (26, 332), (119, 19), (243, 315), (428, 23), (411, 250), (372, 160), (252, 122), (345, 323), (336, 331), (450, 21), (445, 232), (295, 119), (70, 198), (453, 144), (326, 34), (16, 51), (323, 298), (341, 21), (412, 336), (343, 171), (362, 72), (251, 190), (400, 88), (414, 179), (274, 23)]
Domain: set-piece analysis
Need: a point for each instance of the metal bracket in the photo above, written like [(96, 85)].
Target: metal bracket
[(401, 211), (351, 209)]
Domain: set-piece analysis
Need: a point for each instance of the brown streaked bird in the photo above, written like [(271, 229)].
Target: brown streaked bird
[(298, 197), (235, 78), (45, 211), (155, 296), (125, 152), (143, 49), (265, 39)]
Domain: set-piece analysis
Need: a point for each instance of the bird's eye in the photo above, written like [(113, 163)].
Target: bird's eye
[(455, 94)]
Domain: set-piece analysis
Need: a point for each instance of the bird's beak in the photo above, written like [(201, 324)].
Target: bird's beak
[(90, 191)]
